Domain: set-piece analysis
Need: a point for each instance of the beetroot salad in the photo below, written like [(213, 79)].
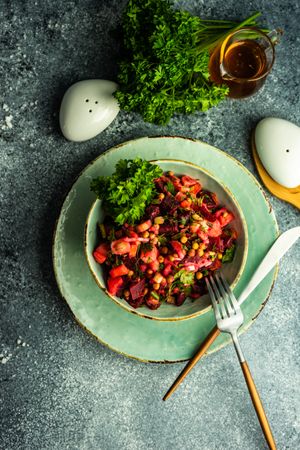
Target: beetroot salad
[(182, 237)]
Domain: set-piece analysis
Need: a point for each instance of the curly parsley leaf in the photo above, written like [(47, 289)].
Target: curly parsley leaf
[(126, 193), (229, 254), (165, 69)]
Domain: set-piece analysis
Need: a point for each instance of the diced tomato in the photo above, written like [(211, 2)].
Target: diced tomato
[(133, 234), (195, 189), (215, 265), (224, 216), (133, 250), (149, 255), (143, 226), (154, 265), (194, 227), (188, 181), (180, 196), (215, 230), (186, 203), (118, 271), (167, 270), (114, 285), (100, 253), (154, 229), (120, 247), (178, 249)]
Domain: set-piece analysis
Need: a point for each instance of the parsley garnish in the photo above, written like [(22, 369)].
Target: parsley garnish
[(127, 192), (229, 254), (167, 55)]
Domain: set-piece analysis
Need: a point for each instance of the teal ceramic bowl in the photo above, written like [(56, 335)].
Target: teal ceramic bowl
[(232, 271)]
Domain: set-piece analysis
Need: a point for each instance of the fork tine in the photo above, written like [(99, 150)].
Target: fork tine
[(224, 295), (231, 294), (219, 297), (213, 299)]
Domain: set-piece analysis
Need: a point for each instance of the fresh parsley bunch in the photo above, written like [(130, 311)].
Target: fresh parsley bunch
[(166, 55), (127, 192)]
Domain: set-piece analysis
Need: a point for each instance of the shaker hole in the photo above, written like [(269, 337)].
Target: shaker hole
[(287, 150), (90, 110), (87, 100), (96, 102)]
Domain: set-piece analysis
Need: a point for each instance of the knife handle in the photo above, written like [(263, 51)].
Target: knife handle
[(258, 406), (202, 349)]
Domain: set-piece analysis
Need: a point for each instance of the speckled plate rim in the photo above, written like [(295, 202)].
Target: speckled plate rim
[(273, 274), (204, 310)]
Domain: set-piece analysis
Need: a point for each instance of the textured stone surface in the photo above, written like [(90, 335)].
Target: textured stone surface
[(60, 389)]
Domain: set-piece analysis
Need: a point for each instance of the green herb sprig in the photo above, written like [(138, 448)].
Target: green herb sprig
[(165, 68), (126, 193)]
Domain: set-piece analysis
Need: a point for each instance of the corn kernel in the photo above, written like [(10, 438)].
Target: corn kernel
[(171, 258), (130, 273), (159, 220), (183, 239), (149, 272), (164, 250), (195, 245), (145, 291), (157, 277), (161, 259), (192, 252), (161, 196), (199, 275), (145, 234), (156, 286), (196, 217), (220, 256), (126, 293), (170, 279), (200, 252)]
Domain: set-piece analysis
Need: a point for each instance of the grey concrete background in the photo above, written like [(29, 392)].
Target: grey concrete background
[(60, 389)]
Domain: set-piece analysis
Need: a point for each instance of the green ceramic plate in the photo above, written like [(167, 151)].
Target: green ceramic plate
[(130, 334)]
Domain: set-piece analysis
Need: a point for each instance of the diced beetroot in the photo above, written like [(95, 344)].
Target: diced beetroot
[(118, 271), (167, 228), (100, 253), (137, 302), (180, 298), (114, 285), (152, 303), (136, 290), (120, 247), (149, 255), (169, 204), (143, 267), (152, 211)]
